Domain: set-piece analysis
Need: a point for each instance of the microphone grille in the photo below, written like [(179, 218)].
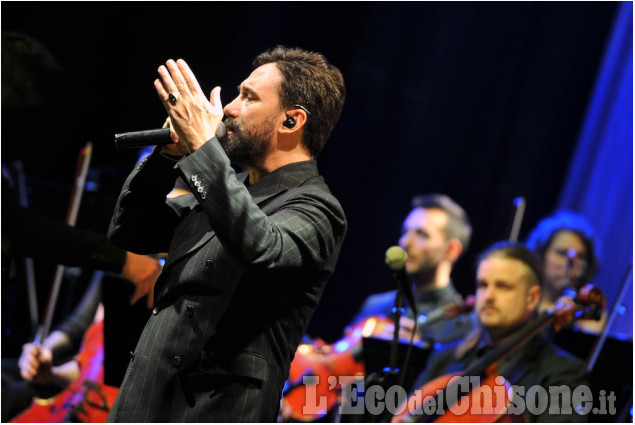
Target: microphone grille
[(221, 130), (396, 257)]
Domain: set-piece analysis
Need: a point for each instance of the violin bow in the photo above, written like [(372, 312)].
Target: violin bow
[(519, 212), (627, 281), (20, 183), (81, 172)]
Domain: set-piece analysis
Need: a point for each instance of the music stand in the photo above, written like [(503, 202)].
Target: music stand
[(377, 352)]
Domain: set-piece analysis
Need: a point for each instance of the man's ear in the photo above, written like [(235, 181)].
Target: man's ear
[(533, 297), (294, 120), (455, 248)]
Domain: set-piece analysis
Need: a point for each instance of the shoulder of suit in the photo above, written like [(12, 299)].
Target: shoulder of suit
[(380, 303), (381, 298), (314, 190)]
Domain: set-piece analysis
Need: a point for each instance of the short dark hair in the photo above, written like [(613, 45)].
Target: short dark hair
[(515, 251), (310, 81), (542, 235), (458, 226)]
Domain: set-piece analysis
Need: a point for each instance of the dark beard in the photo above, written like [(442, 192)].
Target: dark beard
[(247, 147)]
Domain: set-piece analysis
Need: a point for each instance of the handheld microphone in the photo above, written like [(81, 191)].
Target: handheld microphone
[(159, 137), (396, 259)]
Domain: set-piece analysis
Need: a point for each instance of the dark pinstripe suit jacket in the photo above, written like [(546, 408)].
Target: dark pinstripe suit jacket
[(245, 270)]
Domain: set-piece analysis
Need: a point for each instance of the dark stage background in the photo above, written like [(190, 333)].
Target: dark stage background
[(482, 101)]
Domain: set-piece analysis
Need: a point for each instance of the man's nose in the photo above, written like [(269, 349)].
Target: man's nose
[(489, 293), (231, 109), (404, 240)]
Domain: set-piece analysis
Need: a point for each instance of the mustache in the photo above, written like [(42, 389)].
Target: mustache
[(488, 305), (232, 124)]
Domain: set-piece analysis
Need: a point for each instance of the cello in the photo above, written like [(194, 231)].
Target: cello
[(491, 399)]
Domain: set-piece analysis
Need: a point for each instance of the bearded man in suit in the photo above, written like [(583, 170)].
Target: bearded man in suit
[(248, 254)]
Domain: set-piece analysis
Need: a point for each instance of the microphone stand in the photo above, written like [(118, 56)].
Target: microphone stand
[(388, 376), (394, 345), (396, 259)]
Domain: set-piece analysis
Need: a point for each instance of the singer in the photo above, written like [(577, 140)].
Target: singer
[(248, 253)]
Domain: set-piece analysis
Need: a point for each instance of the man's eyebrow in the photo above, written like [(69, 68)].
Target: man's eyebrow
[(246, 89), (416, 229)]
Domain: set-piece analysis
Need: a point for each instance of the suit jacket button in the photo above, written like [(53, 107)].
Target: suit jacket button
[(131, 355), (155, 310), (177, 360), (189, 311)]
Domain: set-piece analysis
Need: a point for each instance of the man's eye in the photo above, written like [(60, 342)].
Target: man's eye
[(405, 232)]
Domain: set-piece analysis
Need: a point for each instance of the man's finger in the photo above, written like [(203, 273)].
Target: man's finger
[(176, 77), (161, 91), (214, 98), (188, 77), (136, 296), (151, 298)]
